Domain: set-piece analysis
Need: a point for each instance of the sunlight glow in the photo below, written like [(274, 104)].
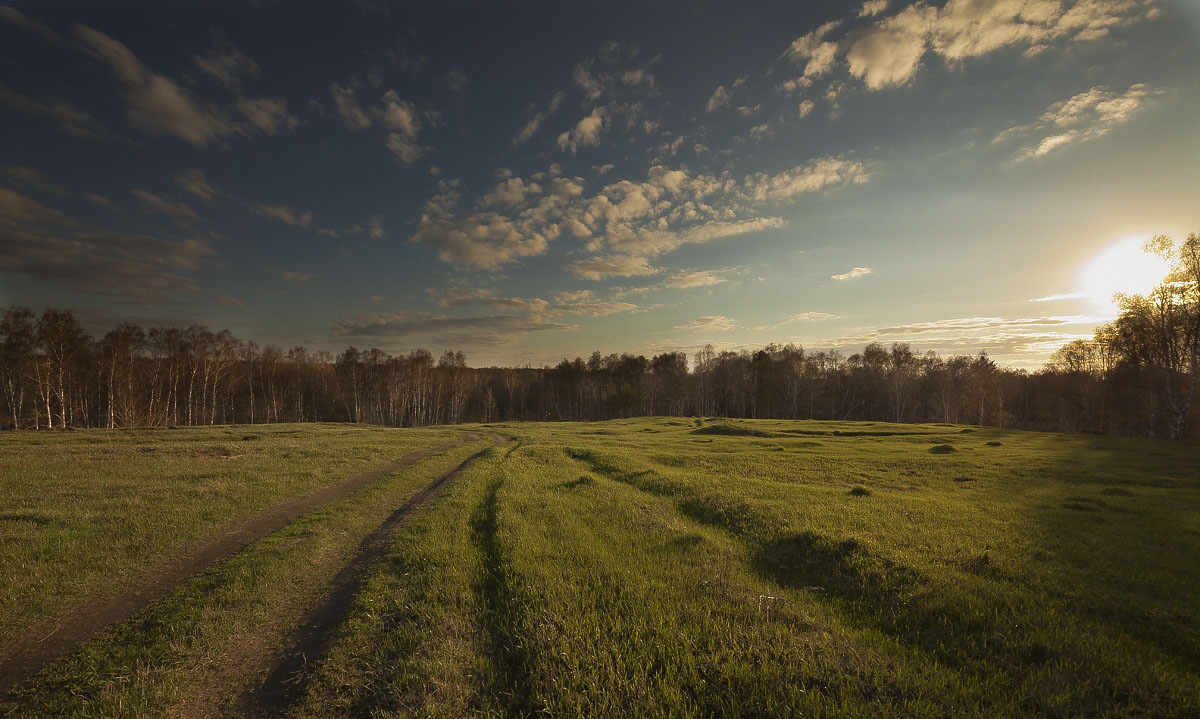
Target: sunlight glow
[(1122, 267)]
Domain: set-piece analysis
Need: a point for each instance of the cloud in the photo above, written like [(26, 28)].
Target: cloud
[(16, 208), (709, 323), (228, 65), (671, 208), (853, 273), (531, 127), (31, 178), (225, 300), (156, 103), (1086, 116), (375, 229), (872, 7), (485, 330), (195, 182), (298, 277), (267, 114), (805, 107), (1062, 296), (695, 278), (722, 97), (888, 51), (814, 53), (284, 213), (100, 200), (132, 268), (599, 268), (405, 151), (348, 108), (69, 119), (817, 175), (34, 25), (456, 80), (401, 118), (154, 203), (585, 133)]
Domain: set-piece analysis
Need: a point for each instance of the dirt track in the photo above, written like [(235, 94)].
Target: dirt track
[(287, 677), (41, 647)]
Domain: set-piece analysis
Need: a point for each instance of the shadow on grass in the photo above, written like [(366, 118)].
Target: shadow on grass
[(502, 612)]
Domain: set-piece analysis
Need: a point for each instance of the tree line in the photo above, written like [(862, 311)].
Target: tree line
[(1138, 376)]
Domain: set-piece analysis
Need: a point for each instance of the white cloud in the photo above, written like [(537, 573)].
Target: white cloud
[(721, 97), (695, 278), (1080, 118), (298, 277), (268, 114), (813, 52), (195, 182), (70, 119), (872, 7), (709, 323), (586, 132), (348, 108), (284, 213), (598, 268), (826, 172), (154, 203), (853, 273)]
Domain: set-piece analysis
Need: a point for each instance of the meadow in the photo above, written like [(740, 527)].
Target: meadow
[(650, 567)]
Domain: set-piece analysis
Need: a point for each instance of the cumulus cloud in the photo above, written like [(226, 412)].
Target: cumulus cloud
[(400, 118), (348, 108), (531, 127), (586, 132), (1080, 118), (285, 214), (814, 53), (872, 7), (154, 203), (805, 107), (722, 96), (852, 274), (826, 172), (598, 268), (695, 278), (709, 323), (669, 209), (888, 51)]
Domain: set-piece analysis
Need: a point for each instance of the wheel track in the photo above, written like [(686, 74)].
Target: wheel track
[(287, 678), (37, 649)]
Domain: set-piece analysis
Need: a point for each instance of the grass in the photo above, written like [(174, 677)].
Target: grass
[(768, 568), (83, 513)]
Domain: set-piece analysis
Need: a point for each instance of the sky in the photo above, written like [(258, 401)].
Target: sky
[(528, 181)]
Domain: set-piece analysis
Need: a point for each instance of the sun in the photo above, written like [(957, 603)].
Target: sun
[(1121, 268)]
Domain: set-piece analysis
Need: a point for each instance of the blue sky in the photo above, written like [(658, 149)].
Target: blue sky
[(528, 181)]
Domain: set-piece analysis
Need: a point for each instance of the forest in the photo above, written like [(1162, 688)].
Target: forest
[(1136, 377)]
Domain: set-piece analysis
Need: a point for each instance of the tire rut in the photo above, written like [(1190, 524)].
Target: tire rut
[(38, 649), (287, 678)]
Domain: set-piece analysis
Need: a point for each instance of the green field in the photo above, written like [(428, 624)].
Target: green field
[(658, 567)]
